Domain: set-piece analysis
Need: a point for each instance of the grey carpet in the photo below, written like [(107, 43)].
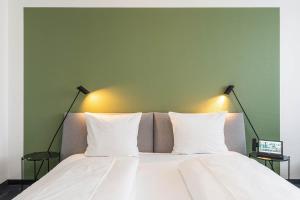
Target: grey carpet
[(8, 192)]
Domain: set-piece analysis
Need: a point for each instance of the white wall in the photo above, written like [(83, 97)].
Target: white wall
[(15, 88), (4, 88), (290, 83)]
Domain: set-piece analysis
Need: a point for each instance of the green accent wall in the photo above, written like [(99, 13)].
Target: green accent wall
[(148, 60)]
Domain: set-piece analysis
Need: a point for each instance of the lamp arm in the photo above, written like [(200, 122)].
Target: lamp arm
[(63, 120), (246, 115), (59, 127)]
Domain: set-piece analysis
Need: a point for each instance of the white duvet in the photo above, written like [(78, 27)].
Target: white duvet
[(153, 176), (232, 176), (86, 178)]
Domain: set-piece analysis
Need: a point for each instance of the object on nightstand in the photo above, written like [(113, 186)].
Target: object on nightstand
[(270, 149)]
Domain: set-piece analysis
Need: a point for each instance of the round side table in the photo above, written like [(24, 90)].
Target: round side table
[(39, 156), (272, 160)]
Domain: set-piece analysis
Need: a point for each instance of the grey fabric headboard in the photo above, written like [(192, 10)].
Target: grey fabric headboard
[(155, 134)]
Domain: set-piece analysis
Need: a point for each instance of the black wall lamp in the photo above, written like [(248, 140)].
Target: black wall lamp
[(227, 91), (80, 89)]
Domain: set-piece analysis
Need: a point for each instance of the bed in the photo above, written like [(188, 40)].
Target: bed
[(156, 173)]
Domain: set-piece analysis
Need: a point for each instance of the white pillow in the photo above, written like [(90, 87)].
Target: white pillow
[(112, 134), (198, 133)]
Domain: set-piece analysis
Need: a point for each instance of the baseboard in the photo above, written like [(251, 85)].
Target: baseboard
[(3, 185), (294, 181), (16, 182)]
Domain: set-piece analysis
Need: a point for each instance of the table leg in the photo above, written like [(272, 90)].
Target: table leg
[(34, 170), (48, 165), (22, 173), (289, 164), (265, 163), (271, 164)]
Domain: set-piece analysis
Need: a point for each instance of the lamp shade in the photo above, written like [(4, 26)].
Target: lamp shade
[(229, 89), (83, 89)]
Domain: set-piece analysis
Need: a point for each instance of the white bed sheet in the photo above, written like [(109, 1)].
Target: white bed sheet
[(79, 177), (154, 176), (86, 178), (158, 178), (232, 176)]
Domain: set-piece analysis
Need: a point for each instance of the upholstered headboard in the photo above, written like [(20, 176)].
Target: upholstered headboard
[(155, 134)]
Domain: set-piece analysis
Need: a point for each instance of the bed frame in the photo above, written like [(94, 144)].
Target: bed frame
[(155, 134)]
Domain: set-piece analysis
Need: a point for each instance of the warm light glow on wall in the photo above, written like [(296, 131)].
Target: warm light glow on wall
[(114, 100), (214, 104), (104, 100)]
